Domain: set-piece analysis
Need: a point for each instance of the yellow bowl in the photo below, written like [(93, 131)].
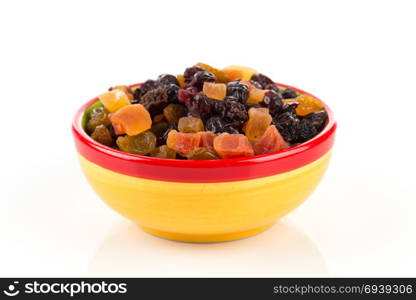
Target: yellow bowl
[(204, 201)]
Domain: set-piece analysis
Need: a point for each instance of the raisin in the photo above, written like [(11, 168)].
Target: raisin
[(140, 144), (200, 106), (190, 72), (173, 112), (215, 124), (159, 130), (166, 79), (275, 88), (318, 119), (147, 86), (229, 128), (199, 78), (263, 80), (238, 90), (190, 125), (172, 92), (136, 95), (288, 93), (255, 84), (163, 152), (273, 101), (162, 139), (231, 111), (98, 116), (288, 125), (202, 154), (155, 101), (102, 135), (306, 130)]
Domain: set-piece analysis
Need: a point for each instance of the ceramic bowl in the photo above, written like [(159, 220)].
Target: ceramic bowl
[(204, 201)]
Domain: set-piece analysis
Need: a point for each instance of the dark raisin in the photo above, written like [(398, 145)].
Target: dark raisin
[(172, 92), (238, 90), (155, 101), (275, 88), (263, 80), (159, 130), (166, 79), (306, 130), (136, 95), (318, 119), (200, 107), (256, 84), (229, 128), (232, 112), (290, 107), (288, 125), (148, 85), (273, 101), (288, 93), (215, 124), (190, 72), (200, 77)]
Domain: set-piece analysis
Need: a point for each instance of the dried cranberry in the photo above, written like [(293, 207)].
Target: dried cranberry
[(238, 90), (200, 77), (288, 93), (190, 72), (263, 80)]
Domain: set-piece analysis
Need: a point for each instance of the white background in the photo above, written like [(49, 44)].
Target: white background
[(358, 56)]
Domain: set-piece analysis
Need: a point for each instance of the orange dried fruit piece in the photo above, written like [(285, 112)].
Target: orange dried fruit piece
[(141, 144), (202, 154), (181, 80), (255, 95), (233, 145), (258, 121), (270, 141), (125, 89), (190, 125), (220, 76), (114, 100), (239, 72), (183, 143), (307, 104), (216, 91), (131, 119), (207, 139), (163, 152)]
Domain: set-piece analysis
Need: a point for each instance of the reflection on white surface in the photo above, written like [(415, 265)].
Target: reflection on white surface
[(282, 250)]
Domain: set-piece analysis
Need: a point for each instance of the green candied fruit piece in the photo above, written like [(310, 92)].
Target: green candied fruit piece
[(141, 144), (173, 112), (102, 135), (98, 116), (163, 152), (190, 125), (202, 154)]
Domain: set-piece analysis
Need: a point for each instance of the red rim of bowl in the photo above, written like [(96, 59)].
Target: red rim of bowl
[(222, 170)]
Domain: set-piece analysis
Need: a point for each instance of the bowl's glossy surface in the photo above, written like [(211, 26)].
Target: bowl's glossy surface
[(204, 201)]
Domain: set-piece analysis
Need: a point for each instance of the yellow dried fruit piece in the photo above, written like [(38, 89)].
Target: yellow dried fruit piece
[(255, 95), (259, 120), (239, 72), (114, 99), (131, 119), (216, 91), (220, 76), (307, 104)]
